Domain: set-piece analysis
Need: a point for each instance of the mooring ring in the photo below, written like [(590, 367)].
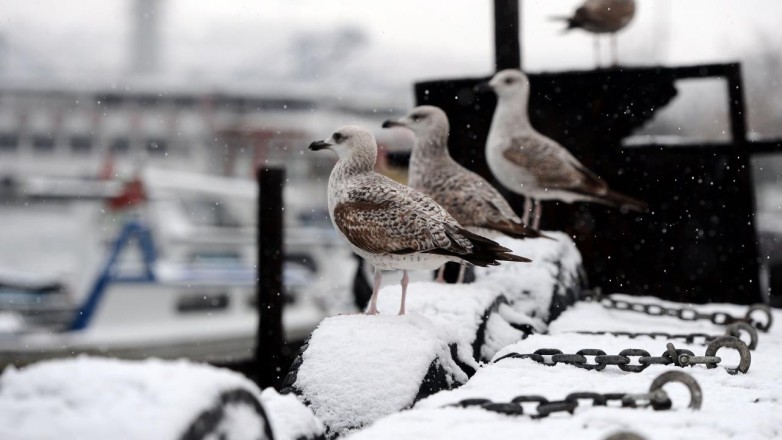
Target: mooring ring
[(731, 342), (759, 325), (696, 395), (736, 328)]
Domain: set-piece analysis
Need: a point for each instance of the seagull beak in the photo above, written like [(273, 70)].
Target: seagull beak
[(319, 145), (390, 123), (482, 87)]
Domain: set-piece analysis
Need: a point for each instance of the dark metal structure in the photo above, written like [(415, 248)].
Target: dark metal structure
[(268, 351), (698, 243)]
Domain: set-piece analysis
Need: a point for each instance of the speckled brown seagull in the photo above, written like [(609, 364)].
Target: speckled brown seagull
[(468, 197), (392, 225), (528, 163), (602, 17)]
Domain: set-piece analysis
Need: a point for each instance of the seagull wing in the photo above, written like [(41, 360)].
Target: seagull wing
[(395, 219), (552, 165)]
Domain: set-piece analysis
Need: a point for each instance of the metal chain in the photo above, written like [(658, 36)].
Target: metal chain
[(734, 329), (624, 360), (656, 398), (686, 313)]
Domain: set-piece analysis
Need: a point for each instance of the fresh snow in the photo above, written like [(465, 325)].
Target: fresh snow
[(741, 406), (96, 398)]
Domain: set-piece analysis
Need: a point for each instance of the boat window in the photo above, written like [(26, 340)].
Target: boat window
[(8, 142), (157, 146), (201, 302), (215, 257), (43, 143), (120, 145), (81, 145)]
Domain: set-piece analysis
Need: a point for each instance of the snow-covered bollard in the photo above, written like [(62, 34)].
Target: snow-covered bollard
[(97, 398), (358, 368), (552, 281)]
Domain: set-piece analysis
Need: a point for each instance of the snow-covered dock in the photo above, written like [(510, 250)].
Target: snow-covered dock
[(394, 377)]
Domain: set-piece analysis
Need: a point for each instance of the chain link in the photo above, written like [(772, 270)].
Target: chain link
[(656, 398), (636, 360), (687, 313), (734, 329)]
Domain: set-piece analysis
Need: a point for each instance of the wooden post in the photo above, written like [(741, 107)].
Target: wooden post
[(507, 48), (268, 349)]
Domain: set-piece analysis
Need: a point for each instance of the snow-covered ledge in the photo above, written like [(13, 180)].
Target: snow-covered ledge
[(356, 369)]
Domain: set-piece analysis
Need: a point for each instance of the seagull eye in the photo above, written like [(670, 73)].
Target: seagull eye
[(508, 80), (338, 137), (417, 117)]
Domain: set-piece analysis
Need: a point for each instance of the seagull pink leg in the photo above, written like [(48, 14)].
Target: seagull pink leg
[(462, 268), (538, 214), (405, 280), (527, 209), (372, 310), (441, 274)]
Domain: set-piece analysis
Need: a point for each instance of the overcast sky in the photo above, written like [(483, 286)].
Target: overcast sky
[(225, 39)]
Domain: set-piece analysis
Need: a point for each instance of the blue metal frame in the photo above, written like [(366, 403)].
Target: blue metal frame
[(132, 229)]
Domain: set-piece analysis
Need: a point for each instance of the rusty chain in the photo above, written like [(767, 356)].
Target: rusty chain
[(656, 397), (643, 359), (734, 329), (686, 313)]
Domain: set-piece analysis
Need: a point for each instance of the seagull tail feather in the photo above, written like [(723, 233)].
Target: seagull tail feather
[(485, 249)]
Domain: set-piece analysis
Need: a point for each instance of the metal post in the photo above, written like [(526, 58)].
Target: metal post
[(738, 114), (268, 349), (507, 49)]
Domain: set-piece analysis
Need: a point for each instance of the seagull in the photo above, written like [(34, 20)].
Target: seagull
[(468, 197), (391, 225), (602, 17), (528, 163)]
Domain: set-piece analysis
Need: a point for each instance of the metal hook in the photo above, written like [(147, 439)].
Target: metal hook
[(759, 325), (736, 328), (696, 395), (731, 342)]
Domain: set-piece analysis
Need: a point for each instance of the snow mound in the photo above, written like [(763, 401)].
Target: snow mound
[(99, 398), (734, 406), (289, 418), (359, 368)]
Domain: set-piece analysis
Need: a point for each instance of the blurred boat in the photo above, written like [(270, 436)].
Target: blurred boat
[(175, 275)]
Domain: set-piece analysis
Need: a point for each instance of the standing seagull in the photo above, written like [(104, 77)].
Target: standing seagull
[(528, 163), (602, 17), (392, 225), (468, 197)]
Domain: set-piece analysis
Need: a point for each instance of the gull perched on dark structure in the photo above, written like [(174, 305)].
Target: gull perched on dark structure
[(528, 163), (602, 17), (391, 225), (468, 197)]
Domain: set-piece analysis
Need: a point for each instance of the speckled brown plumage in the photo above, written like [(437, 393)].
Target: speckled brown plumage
[(468, 197), (391, 224)]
